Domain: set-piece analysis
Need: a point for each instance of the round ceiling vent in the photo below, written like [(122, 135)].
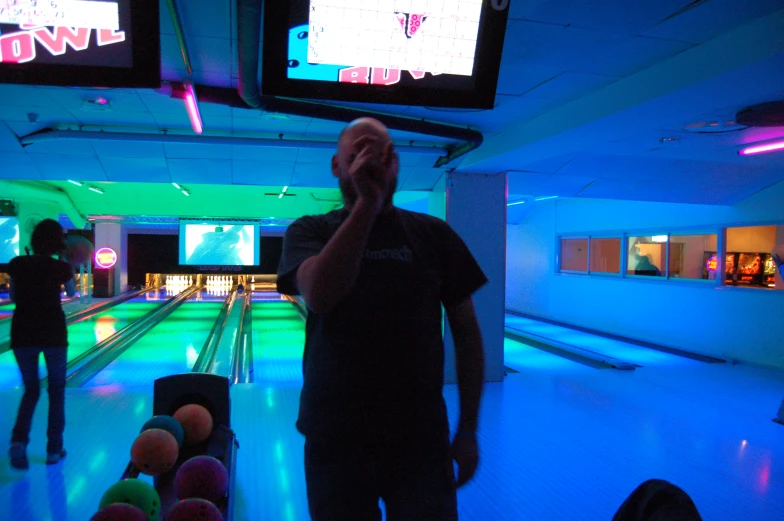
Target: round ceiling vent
[(709, 127)]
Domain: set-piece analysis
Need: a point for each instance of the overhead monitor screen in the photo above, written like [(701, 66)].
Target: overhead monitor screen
[(113, 43), (226, 245), (9, 239), (430, 52)]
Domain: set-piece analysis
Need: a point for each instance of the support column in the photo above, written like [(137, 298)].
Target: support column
[(436, 199), (476, 210), (115, 236)]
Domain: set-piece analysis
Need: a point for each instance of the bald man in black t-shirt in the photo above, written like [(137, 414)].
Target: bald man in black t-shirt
[(374, 278)]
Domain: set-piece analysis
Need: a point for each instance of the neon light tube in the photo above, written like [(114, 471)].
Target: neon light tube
[(762, 149)]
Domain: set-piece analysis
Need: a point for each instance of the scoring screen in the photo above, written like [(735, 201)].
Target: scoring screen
[(90, 14), (66, 32), (385, 42)]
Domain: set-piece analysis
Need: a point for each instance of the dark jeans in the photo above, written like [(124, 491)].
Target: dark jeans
[(345, 482), (27, 359), (657, 500)]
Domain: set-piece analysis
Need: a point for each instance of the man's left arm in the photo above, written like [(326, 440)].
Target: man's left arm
[(470, 362)]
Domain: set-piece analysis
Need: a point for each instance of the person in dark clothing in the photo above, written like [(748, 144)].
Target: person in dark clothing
[(38, 326), (657, 500), (374, 278)]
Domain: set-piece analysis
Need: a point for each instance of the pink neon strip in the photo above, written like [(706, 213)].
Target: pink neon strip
[(761, 149), (193, 110)]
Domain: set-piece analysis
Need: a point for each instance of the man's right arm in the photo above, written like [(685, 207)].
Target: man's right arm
[(325, 279)]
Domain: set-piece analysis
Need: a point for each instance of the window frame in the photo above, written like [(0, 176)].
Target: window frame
[(625, 251), (620, 260), (559, 257)]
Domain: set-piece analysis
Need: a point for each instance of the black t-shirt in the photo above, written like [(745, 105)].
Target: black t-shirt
[(38, 320), (374, 365)]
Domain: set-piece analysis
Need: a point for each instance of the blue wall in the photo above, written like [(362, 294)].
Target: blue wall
[(739, 323)]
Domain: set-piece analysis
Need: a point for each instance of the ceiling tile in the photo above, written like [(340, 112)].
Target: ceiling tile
[(602, 15), (178, 120), (128, 149), (9, 142), (216, 123), (319, 127), (136, 170), (200, 171), (609, 188), (135, 119), (563, 185), (709, 19), (264, 153), (45, 115), (120, 100), (572, 85), (194, 151), (509, 109), (633, 55), (25, 95), (210, 19), (62, 167), (322, 156), (206, 54), (552, 47), (516, 78), (18, 166), (419, 178), (62, 146), (275, 127), (263, 174), (314, 175), (525, 182), (159, 103)]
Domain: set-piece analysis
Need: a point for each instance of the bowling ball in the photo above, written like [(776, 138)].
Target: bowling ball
[(154, 452), (78, 250), (196, 421), (168, 424), (134, 492), (119, 512), (191, 509), (201, 477)]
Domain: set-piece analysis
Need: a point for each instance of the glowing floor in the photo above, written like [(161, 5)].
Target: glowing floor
[(559, 441)]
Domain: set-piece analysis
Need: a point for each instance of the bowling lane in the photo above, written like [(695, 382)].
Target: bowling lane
[(617, 349), (278, 342), (524, 358), (82, 336), (171, 347)]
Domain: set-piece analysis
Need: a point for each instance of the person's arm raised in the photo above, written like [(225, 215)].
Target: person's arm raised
[(325, 279)]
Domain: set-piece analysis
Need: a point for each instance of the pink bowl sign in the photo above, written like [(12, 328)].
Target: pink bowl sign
[(105, 258)]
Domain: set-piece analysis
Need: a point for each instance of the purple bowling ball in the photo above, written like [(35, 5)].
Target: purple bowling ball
[(202, 477), (119, 512), (193, 509)]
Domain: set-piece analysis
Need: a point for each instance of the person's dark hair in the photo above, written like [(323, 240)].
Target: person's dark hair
[(47, 238)]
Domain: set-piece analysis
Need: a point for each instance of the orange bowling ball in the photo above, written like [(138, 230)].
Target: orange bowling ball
[(155, 452), (196, 422)]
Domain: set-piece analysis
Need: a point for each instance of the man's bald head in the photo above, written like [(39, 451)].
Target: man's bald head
[(362, 126), (348, 148)]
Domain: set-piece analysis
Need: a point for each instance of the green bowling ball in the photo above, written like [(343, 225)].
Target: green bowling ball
[(134, 492), (168, 424)]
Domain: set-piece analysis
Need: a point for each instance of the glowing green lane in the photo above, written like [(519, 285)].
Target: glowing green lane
[(278, 342), (171, 347), (82, 336)]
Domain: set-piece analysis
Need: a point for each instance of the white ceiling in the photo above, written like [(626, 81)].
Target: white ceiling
[(547, 130)]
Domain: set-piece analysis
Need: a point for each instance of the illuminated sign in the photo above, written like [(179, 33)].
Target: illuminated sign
[(712, 263), (105, 258)]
